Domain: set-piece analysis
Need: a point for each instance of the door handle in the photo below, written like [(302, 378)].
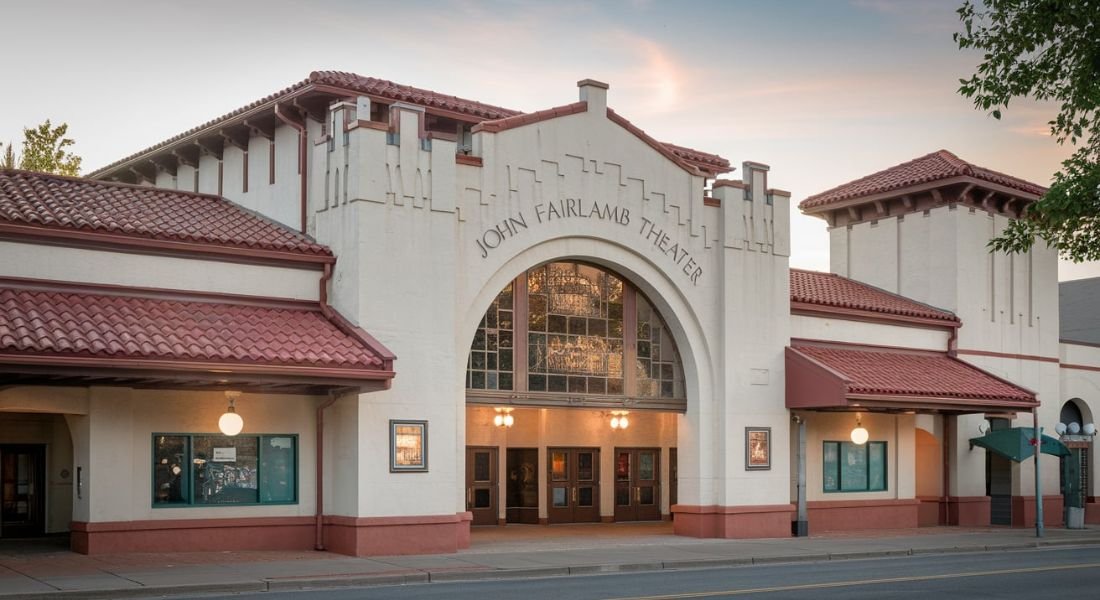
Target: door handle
[(574, 495), (638, 495), (469, 498)]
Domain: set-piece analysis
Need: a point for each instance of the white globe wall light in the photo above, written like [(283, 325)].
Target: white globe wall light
[(231, 423), (859, 434)]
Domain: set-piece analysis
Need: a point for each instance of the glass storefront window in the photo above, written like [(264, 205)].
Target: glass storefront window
[(848, 467), (219, 470)]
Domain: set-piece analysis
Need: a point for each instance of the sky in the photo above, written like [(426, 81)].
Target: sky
[(822, 91)]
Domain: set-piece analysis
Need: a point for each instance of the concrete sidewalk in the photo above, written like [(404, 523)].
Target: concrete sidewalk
[(28, 571)]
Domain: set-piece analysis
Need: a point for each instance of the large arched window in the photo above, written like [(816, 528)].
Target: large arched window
[(573, 333)]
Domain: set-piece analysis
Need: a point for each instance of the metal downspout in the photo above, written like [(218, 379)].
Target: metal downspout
[(319, 541)]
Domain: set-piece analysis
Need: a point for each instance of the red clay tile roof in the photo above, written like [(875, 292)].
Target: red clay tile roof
[(830, 290), (406, 93), (54, 202), (930, 167), (70, 324), (358, 84), (912, 374), (703, 160)]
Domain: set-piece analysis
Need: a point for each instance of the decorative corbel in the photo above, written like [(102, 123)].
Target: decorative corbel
[(234, 139), (183, 159), (260, 130), (215, 148)]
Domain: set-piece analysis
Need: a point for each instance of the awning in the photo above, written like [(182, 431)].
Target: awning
[(823, 376), (56, 334), (1015, 443)]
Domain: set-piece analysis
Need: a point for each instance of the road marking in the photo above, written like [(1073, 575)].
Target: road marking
[(836, 584)]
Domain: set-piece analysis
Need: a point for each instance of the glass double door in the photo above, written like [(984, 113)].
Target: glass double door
[(573, 485), (637, 484), (22, 490)]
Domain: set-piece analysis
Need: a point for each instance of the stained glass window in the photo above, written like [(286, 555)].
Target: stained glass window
[(579, 339), (575, 330), (490, 365), (658, 372)]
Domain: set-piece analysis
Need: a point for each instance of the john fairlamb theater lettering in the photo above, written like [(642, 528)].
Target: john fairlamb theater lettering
[(577, 208)]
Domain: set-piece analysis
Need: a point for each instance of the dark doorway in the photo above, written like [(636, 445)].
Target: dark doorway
[(481, 485), (998, 481), (22, 490), (522, 488), (573, 488), (637, 484)]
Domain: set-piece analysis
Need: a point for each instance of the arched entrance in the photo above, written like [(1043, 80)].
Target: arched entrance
[(1076, 429), (573, 386)]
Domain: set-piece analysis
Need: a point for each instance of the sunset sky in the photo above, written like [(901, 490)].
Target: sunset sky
[(823, 91)]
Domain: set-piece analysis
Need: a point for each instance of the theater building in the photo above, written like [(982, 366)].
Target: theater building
[(427, 314)]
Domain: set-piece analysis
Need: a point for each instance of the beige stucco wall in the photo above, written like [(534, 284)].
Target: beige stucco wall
[(113, 445), (82, 265), (874, 334), (897, 431)]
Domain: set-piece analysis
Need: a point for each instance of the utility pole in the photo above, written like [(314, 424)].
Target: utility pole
[(1038, 482)]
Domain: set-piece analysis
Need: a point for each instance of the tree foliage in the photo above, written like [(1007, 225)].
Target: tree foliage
[(45, 150), (1047, 50), (7, 161)]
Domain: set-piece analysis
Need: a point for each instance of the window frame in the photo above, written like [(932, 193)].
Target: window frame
[(187, 484), (866, 447)]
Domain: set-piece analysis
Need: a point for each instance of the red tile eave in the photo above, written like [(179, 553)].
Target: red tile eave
[(833, 389), (520, 120), (822, 310), (94, 239), (262, 106), (814, 205), (77, 364), (857, 401)]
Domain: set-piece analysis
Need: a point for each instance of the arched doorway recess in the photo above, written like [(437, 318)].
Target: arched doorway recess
[(574, 386)]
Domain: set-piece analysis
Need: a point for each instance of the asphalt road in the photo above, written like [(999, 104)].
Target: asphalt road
[(1064, 572)]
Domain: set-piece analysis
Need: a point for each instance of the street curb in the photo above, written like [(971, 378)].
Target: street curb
[(707, 563), (146, 591), (484, 575), (770, 560), (616, 568), (288, 585), (869, 554)]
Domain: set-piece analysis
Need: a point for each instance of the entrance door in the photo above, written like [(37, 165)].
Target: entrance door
[(573, 490), (637, 484), (522, 488), (998, 482), (481, 485), (22, 490)]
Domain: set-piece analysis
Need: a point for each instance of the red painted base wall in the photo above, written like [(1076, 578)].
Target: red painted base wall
[(193, 535), (731, 522), (852, 515), (371, 536), (380, 536), (968, 511), (1092, 512), (1023, 511)]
